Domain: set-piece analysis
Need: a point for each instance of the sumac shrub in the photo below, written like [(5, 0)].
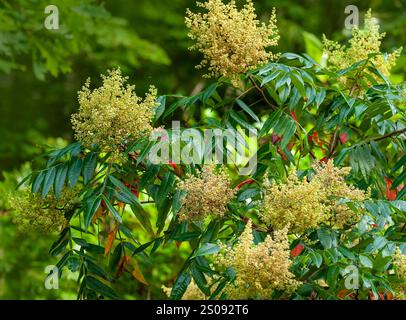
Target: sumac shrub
[(322, 214)]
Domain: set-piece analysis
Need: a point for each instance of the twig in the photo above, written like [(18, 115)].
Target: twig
[(333, 142), (262, 92), (245, 92), (334, 139), (391, 134)]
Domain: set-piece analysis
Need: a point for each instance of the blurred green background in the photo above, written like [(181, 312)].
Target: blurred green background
[(41, 71)]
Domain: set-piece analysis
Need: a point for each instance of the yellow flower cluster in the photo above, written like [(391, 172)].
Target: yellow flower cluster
[(297, 203), (260, 269), (399, 261), (400, 291), (207, 194), (44, 215), (112, 114), (232, 41), (332, 182), (192, 292), (403, 100), (364, 42), (303, 205)]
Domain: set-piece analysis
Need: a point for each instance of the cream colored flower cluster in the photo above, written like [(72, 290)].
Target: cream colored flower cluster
[(112, 114), (332, 182), (207, 194), (192, 292), (232, 41), (364, 42), (260, 269), (399, 261), (403, 100), (296, 202), (44, 215), (303, 205)]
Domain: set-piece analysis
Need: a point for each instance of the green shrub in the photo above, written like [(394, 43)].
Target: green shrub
[(311, 228)]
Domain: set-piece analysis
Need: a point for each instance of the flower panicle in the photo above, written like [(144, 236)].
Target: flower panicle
[(306, 204), (112, 114), (261, 269), (207, 194), (363, 43), (232, 41)]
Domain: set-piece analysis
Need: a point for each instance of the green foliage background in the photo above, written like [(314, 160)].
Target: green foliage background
[(41, 71)]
